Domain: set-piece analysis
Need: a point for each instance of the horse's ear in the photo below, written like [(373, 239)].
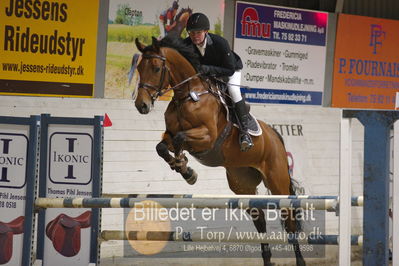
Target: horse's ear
[(139, 45), (155, 44)]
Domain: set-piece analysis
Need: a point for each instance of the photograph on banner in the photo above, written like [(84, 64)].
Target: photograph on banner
[(366, 72), (47, 48), (144, 19), (283, 52)]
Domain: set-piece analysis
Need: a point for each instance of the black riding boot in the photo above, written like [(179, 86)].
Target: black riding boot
[(242, 114)]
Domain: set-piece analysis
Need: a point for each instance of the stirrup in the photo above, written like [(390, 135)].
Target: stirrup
[(245, 142)]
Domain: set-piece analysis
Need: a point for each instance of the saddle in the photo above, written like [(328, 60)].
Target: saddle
[(7, 231), (214, 156), (64, 232), (254, 128)]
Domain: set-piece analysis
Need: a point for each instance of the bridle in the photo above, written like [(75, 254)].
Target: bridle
[(158, 89)]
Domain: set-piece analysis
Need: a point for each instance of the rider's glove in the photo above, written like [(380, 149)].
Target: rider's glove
[(205, 70)]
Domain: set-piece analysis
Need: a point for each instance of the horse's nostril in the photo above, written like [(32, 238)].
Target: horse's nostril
[(144, 108)]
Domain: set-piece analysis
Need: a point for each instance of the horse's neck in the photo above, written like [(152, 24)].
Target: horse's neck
[(181, 70)]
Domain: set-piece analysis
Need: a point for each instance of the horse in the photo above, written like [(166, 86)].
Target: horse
[(196, 121), (181, 21)]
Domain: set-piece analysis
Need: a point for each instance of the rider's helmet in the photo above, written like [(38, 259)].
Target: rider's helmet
[(197, 21), (175, 4)]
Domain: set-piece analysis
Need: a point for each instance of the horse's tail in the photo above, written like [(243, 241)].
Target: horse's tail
[(297, 213), (294, 185)]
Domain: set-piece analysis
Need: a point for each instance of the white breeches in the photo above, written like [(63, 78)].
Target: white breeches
[(161, 29), (234, 87)]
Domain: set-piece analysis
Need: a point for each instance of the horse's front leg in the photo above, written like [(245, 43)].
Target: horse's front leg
[(181, 160), (195, 137), (163, 150)]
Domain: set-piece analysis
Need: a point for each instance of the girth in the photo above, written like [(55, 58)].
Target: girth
[(214, 156)]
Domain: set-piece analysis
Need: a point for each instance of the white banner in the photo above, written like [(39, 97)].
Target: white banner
[(283, 52)]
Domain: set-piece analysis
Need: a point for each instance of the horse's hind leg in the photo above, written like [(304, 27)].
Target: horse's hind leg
[(244, 181), (279, 182), (292, 225)]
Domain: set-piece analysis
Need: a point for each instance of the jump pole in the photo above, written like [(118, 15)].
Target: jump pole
[(355, 200), (221, 203), (345, 191)]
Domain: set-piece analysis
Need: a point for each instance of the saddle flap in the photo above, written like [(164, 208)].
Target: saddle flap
[(254, 129), (66, 240)]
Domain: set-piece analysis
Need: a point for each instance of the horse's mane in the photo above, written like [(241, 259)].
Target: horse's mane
[(182, 11), (177, 43)]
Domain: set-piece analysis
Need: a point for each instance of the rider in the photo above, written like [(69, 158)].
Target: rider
[(217, 59), (167, 19)]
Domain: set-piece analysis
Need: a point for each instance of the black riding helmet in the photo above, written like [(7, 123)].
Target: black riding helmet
[(175, 4), (197, 21)]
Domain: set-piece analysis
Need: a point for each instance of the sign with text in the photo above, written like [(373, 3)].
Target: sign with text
[(48, 47), (70, 162), (283, 51), (13, 158), (70, 158), (18, 149), (366, 69)]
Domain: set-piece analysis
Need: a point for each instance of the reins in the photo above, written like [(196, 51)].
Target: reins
[(181, 83), (158, 89)]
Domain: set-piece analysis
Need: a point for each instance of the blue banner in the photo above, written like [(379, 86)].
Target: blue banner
[(282, 96)]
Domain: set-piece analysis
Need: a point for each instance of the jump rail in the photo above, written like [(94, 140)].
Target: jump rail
[(356, 200), (240, 202), (107, 235)]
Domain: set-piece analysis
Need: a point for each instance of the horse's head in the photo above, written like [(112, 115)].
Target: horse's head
[(154, 75)]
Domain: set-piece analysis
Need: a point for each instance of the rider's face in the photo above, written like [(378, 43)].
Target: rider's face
[(197, 36)]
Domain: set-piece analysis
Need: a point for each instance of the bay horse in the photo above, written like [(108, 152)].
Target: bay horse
[(196, 121)]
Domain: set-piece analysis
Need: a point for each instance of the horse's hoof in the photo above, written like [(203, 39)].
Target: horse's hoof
[(301, 262), (190, 176)]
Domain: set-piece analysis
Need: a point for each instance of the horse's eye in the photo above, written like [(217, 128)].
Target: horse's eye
[(157, 69)]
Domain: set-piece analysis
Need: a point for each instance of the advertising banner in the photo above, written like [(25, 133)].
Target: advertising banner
[(283, 51), (366, 63), (18, 150), (70, 152), (13, 161), (48, 48), (144, 19)]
